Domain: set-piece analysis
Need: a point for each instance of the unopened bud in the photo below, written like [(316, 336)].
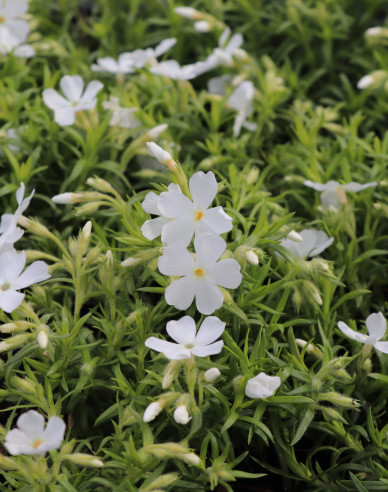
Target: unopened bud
[(170, 373), (63, 198), (374, 32), (310, 348), (156, 131), (203, 26), (42, 336), (87, 229), (161, 155), (332, 414), (181, 415), (252, 176), (338, 399), (152, 411), (100, 185), (188, 13), (191, 458), (14, 342), (129, 262), (211, 374), (295, 236), (84, 460), (252, 257)]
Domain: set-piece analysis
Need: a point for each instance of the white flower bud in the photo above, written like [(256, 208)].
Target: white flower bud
[(152, 411), (161, 155), (130, 262), (188, 12), (203, 26), (156, 131), (87, 229), (262, 386), (63, 198), (295, 236), (252, 257), (191, 458), (374, 32), (181, 415), (365, 82), (211, 374), (42, 338)]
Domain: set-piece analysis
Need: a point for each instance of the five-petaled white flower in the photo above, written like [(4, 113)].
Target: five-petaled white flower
[(190, 342), (200, 276), (77, 100), (262, 386), (10, 11), (241, 100), (376, 325), (31, 437), (9, 232), (12, 279), (333, 193), (190, 216), (312, 244), (227, 48), (122, 65), (173, 70)]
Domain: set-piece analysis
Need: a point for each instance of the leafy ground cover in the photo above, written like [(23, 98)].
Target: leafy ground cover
[(204, 302)]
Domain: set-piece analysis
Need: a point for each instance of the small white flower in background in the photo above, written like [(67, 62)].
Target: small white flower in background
[(188, 13), (140, 58), (10, 11), (152, 411), (122, 117), (313, 243), (11, 43), (203, 26), (76, 98), (374, 32), (241, 100), (218, 85), (200, 276), (189, 341), (262, 386), (152, 228), (375, 79), (376, 325), (9, 232), (31, 437), (227, 47), (333, 193), (63, 198), (12, 279), (365, 82), (108, 64), (211, 374), (156, 131), (173, 70), (192, 217), (181, 415)]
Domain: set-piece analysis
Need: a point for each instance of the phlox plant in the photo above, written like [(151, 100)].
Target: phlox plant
[(193, 246)]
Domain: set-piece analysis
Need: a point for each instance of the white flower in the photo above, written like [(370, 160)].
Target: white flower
[(31, 437), (12, 279), (122, 117), (190, 217), (241, 100), (11, 43), (262, 386), (123, 65), (314, 242), (10, 11), (156, 131), (200, 276), (139, 58), (152, 411), (188, 12), (203, 26), (376, 325), (217, 85), (223, 55), (190, 342), (77, 100), (211, 374), (333, 193), (181, 415), (9, 232), (173, 70)]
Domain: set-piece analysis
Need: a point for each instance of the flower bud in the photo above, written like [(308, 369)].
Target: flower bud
[(310, 349), (100, 185), (161, 155), (188, 13), (191, 458), (152, 411), (181, 415), (42, 336), (338, 399), (252, 257), (211, 374), (87, 229), (170, 373), (63, 198), (203, 26), (13, 342), (156, 131), (84, 460), (295, 236)]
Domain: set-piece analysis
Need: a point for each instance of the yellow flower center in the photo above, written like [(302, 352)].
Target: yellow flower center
[(341, 193), (36, 443), (199, 272), (2, 19), (5, 286), (198, 215)]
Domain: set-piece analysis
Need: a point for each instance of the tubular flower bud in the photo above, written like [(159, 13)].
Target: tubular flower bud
[(161, 155), (181, 415), (152, 411), (211, 374), (252, 257)]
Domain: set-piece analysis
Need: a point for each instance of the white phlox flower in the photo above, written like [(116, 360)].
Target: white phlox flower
[(152, 228), (31, 437), (12, 279), (190, 342), (241, 100), (192, 217), (122, 65), (122, 117), (334, 194), (227, 48), (262, 386), (376, 325), (200, 276), (10, 13), (76, 98), (11, 43), (312, 244), (9, 232), (173, 70), (140, 58), (181, 415), (218, 85)]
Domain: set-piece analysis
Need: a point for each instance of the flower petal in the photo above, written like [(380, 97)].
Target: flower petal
[(355, 187), (210, 329), (164, 46), (176, 261), (377, 325), (354, 335), (182, 331), (14, 8), (203, 188), (172, 351), (331, 185), (64, 116), (153, 228), (178, 230), (53, 433), (31, 423), (91, 91), (54, 100), (72, 86), (322, 242), (205, 350), (35, 273), (173, 204), (235, 42), (180, 293), (226, 273), (150, 203), (17, 442), (330, 199), (10, 300), (208, 297), (11, 265), (382, 346), (208, 248)]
